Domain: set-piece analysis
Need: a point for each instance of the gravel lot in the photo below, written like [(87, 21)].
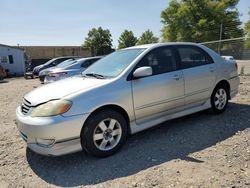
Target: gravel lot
[(200, 150)]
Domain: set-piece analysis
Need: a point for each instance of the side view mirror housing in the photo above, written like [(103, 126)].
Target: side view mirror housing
[(142, 72)]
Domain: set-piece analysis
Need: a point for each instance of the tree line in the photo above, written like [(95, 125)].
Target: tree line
[(183, 21)]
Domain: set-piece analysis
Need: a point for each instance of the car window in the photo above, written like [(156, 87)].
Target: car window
[(161, 60), (58, 61), (66, 63), (192, 56), (94, 60), (86, 64)]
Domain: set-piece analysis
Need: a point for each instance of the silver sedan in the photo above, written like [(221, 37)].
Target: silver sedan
[(126, 92)]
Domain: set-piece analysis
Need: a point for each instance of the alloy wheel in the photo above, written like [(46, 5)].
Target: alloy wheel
[(220, 99), (107, 134)]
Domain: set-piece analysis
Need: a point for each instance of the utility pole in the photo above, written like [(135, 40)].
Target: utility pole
[(219, 46)]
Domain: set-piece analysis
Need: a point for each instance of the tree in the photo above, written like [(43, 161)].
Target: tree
[(147, 38), (201, 20), (99, 40), (126, 39), (247, 32)]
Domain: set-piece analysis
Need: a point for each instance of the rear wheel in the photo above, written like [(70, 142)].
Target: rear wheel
[(104, 133), (219, 99)]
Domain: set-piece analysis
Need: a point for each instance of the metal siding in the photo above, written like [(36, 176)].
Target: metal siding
[(18, 67)]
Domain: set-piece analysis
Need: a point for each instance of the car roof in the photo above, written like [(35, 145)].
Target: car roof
[(79, 61), (148, 46), (88, 58)]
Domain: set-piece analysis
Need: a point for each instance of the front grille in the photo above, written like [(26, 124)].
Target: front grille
[(26, 105)]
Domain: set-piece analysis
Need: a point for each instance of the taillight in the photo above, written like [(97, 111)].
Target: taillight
[(57, 74), (236, 66)]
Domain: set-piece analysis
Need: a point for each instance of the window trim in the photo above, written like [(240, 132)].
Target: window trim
[(175, 53), (194, 47)]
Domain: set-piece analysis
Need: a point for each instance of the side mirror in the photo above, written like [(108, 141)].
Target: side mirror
[(142, 72)]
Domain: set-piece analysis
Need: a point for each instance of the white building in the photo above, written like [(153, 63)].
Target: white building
[(12, 59)]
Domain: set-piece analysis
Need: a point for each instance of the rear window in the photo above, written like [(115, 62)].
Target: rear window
[(193, 57)]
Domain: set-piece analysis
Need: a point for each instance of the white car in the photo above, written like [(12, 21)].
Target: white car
[(229, 58), (123, 93)]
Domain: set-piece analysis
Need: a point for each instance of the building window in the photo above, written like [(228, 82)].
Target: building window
[(4, 59), (11, 61)]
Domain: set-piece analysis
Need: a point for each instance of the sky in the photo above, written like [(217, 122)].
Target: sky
[(67, 22)]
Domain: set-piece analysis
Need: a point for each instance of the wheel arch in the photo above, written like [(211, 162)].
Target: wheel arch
[(115, 107), (226, 84)]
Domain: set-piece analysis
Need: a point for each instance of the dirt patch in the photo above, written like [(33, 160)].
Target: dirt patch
[(200, 150)]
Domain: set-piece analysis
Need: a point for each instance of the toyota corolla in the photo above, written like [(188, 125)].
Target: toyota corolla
[(125, 92)]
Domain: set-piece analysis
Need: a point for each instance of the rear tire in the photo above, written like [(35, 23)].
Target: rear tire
[(104, 133), (219, 99)]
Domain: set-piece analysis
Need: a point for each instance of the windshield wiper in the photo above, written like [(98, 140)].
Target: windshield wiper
[(99, 76)]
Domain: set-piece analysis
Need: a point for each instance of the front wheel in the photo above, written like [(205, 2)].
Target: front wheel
[(104, 133), (219, 99)]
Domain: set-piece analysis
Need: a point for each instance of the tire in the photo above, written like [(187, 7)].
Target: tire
[(104, 133), (219, 99)]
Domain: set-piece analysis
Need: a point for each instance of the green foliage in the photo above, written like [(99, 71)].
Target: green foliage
[(247, 32), (99, 40), (147, 38), (127, 39), (200, 20)]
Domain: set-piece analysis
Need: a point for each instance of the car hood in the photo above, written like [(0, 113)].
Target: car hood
[(63, 88)]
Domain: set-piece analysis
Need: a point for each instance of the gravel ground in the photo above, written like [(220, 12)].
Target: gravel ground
[(243, 65), (200, 150)]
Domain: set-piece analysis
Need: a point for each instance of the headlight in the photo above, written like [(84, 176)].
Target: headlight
[(51, 108)]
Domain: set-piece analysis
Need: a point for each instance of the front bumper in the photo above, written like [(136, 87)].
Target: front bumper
[(42, 77), (65, 131)]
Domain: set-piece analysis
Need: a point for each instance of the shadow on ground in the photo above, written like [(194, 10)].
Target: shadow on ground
[(3, 81), (170, 140)]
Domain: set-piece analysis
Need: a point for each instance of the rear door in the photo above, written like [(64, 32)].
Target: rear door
[(199, 73), (161, 92)]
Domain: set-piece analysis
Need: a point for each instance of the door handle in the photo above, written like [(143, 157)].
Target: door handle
[(211, 69)]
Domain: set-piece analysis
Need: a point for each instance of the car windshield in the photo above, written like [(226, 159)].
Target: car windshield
[(113, 64), (66, 63)]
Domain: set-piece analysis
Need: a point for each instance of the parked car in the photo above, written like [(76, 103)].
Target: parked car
[(3, 73), (231, 58), (51, 63), (125, 92), (75, 68), (28, 71), (44, 73)]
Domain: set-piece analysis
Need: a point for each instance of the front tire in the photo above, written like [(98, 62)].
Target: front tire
[(104, 133), (219, 99)]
